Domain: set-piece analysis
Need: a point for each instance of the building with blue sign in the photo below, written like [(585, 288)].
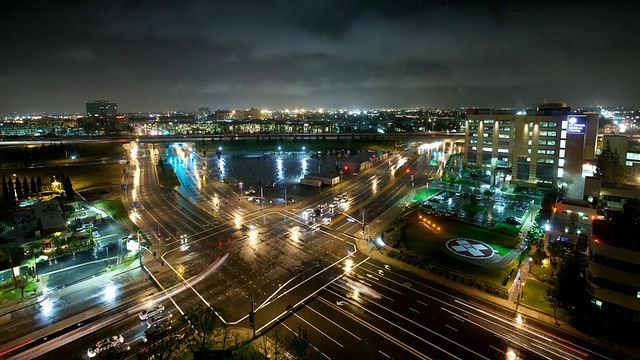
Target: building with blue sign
[(543, 146)]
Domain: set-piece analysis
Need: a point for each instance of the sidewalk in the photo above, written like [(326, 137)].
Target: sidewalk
[(509, 305)]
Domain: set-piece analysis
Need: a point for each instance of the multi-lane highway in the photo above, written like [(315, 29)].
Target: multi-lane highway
[(213, 250)]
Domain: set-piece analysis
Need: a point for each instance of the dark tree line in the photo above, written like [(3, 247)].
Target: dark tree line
[(43, 152), (19, 189)]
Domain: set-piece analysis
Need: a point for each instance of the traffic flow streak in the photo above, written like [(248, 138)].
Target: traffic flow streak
[(384, 312)]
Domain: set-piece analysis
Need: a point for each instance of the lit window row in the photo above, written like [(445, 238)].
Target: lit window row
[(546, 152)]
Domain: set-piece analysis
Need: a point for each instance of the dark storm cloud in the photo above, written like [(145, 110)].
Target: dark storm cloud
[(280, 54)]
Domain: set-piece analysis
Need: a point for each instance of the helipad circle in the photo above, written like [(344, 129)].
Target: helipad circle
[(469, 248)]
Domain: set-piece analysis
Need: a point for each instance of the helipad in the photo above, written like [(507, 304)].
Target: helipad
[(469, 248)]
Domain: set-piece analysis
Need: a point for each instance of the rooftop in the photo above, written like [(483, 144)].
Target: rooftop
[(616, 234)]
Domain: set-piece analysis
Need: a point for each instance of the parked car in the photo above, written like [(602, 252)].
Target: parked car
[(512, 220)]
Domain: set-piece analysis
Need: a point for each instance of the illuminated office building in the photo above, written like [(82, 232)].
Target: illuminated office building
[(549, 145)]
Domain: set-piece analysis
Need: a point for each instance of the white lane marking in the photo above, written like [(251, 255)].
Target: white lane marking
[(463, 302), (429, 330), (313, 346), (423, 303), (451, 327), (397, 326), (412, 309), (525, 329), (384, 354), (333, 322), (313, 293), (318, 330)]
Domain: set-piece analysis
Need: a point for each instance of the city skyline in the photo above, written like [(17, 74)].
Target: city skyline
[(162, 56)]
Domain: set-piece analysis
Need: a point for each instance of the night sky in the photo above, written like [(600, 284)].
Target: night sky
[(181, 55)]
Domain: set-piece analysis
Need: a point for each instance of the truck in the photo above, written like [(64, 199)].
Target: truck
[(311, 182)]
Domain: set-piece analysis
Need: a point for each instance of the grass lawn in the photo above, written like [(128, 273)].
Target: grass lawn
[(423, 194), (11, 156), (533, 296), (129, 259), (508, 229), (168, 177), (10, 293), (93, 182), (428, 241), (476, 209)]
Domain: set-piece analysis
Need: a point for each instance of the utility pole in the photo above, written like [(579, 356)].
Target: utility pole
[(139, 249), (285, 196), (252, 316), (262, 197)]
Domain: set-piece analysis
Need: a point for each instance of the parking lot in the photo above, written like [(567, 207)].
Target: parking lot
[(499, 208)]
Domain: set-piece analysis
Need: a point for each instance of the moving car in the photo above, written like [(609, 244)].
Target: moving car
[(145, 314), (158, 319), (111, 342)]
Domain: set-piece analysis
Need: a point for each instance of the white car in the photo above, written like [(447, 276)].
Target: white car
[(115, 341), (145, 314)]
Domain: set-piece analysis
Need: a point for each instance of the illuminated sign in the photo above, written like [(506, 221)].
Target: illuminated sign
[(576, 124)]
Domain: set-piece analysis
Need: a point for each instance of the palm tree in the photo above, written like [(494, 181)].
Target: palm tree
[(57, 242), (35, 247), (9, 251)]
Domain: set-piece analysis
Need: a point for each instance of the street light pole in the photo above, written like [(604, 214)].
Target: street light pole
[(139, 253)]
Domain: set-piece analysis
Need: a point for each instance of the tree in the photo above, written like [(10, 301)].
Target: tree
[(299, 343), (22, 281), (535, 235), (574, 291), (19, 193), (630, 212), (203, 322), (551, 296), (57, 243), (225, 335), (608, 165), (39, 184), (68, 188), (164, 345), (25, 186), (34, 188), (11, 196), (548, 203), (5, 188), (473, 201), (559, 249), (35, 247), (10, 250)]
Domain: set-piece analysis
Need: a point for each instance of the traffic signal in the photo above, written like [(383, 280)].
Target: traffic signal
[(154, 254), (408, 171), (252, 320), (162, 263), (239, 198), (346, 167)]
